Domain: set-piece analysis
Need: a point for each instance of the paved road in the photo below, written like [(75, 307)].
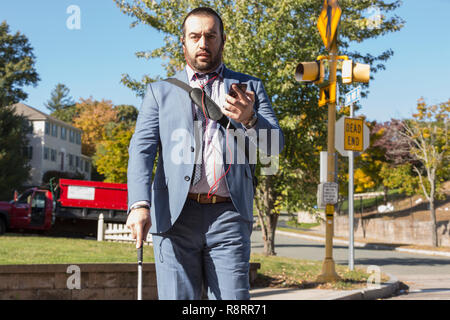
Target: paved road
[(427, 276)]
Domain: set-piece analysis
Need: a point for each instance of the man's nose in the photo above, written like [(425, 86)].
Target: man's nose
[(202, 42)]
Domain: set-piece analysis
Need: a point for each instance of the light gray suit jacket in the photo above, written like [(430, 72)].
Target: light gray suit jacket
[(165, 124)]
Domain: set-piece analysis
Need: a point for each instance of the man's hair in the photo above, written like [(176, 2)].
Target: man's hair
[(203, 11)]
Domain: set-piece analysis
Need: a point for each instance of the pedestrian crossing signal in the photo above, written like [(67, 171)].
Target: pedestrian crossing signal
[(355, 72), (310, 72), (327, 94)]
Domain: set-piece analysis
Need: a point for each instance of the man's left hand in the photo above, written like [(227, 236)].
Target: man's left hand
[(239, 109)]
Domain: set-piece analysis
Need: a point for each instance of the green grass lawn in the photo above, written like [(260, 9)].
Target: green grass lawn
[(371, 203), (25, 249), (295, 273), (274, 272)]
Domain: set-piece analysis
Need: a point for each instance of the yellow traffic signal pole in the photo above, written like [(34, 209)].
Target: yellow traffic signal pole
[(328, 268), (313, 72)]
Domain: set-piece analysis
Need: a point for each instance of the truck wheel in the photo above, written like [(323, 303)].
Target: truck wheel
[(2, 226)]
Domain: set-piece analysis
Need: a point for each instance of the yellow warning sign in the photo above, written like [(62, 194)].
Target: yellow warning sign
[(353, 134), (328, 21)]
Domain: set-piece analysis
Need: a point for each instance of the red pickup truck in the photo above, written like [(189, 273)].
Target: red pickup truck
[(40, 208)]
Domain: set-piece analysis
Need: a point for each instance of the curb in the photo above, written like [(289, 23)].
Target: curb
[(365, 245), (385, 290)]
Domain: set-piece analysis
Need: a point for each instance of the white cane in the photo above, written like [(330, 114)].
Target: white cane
[(140, 251)]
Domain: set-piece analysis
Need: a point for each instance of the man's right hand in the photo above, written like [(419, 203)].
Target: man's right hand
[(139, 222)]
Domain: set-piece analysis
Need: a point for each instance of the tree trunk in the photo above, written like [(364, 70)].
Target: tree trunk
[(267, 218), (434, 236), (269, 237), (386, 189)]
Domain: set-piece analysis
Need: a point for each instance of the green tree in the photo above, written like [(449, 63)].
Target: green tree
[(16, 71), (267, 38), (399, 177), (16, 66), (59, 98), (111, 157), (126, 114), (60, 104)]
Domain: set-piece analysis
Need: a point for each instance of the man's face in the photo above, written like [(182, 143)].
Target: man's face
[(203, 44)]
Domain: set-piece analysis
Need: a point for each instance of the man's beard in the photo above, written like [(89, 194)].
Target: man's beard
[(202, 66)]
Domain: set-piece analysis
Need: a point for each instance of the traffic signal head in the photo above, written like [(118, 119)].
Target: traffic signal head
[(310, 72), (355, 72)]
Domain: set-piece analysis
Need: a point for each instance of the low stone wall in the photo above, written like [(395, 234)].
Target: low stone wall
[(405, 231), (103, 281)]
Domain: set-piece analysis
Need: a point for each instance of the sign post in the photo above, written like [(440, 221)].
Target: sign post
[(355, 138), (351, 214)]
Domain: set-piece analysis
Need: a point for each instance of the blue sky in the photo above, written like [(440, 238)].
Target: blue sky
[(90, 60)]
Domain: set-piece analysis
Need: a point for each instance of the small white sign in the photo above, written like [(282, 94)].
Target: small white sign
[(353, 96), (330, 193), (81, 193)]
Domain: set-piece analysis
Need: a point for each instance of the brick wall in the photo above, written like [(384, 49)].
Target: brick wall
[(97, 281)]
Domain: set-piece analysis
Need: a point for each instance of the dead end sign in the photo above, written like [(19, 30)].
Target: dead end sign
[(353, 134)]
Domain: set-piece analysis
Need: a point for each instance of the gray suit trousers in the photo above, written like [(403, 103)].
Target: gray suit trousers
[(209, 245)]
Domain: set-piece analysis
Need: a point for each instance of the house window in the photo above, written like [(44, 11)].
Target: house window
[(70, 160), (86, 166), (30, 127), (78, 137), (46, 153), (53, 155), (54, 130), (77, 161), (71, 135), (47, 127), (63, 133)]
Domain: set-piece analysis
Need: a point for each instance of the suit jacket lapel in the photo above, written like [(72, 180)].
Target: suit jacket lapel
[(185, 102)]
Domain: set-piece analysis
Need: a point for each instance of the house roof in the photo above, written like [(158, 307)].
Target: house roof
[(35, 115)]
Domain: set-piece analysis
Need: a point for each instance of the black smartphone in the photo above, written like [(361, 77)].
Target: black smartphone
[(233, 93)]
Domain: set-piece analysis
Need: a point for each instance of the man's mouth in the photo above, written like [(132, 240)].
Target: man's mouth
[(203, 54)]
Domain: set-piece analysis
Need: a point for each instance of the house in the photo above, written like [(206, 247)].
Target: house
[(54, 145)]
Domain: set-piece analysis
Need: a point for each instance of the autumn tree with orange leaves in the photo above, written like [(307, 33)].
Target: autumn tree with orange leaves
[(94, 118)]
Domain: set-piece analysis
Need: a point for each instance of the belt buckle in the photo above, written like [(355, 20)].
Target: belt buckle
[(198, 197), (214, 199)]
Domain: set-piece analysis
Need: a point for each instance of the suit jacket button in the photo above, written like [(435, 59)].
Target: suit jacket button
[(192, 149), (187, 178)]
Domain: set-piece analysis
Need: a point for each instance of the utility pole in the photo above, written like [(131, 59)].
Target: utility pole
[(328, 268), (314, 72)]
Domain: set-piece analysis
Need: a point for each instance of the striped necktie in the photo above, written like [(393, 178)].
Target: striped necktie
[(199, 116)]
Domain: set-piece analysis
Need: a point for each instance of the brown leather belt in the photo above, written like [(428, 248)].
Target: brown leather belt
[(203, 198)]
